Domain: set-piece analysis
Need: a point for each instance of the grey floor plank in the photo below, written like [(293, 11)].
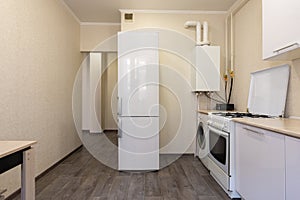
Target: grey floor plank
[(53, 188), (119, 188), (152, 188), (167, 184), (215, 187), (44, 181), (154, 198), (85, 190), (81, 176), (69, 189), (200, 167), (208, 198), (103, 193), (136, 190), (185, 188), (197, 181), (102, 187), (93, 167)]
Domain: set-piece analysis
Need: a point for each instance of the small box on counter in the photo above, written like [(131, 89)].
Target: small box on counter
[(225, 106)]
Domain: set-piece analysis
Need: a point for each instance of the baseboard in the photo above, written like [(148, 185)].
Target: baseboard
[(172, 153), (177, 153), (109, 129), (17, 192), (103, 131)]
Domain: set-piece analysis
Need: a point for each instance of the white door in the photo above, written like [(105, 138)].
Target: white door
[(138, 143), (138, 74)]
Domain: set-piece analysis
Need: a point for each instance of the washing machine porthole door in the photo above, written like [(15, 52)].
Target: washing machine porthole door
[(201, 136)]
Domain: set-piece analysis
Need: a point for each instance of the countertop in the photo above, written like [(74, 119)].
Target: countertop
[(207, 111), (286, 126), (215, 111), (10, 147)]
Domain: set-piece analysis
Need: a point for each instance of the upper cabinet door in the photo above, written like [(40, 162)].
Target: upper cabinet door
[(281, 30)]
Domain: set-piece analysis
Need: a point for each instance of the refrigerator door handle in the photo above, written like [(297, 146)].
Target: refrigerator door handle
[(119, 106), (120, 128)]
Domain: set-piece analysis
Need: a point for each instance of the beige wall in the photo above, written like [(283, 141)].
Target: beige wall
[(109, 92), (175, 22), (92, 38), (91, 35), (177, 101), (248, 58), (39, 58)]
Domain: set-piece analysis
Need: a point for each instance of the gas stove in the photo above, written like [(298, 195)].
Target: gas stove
[(267, 95), (239, 115), (220, 120), (221, 145)]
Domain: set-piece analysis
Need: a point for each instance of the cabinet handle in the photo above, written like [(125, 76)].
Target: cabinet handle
[(286, 47), (253, 131), (120, 129), (119, 106)]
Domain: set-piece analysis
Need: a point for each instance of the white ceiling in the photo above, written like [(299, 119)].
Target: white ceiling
[(108, 10)]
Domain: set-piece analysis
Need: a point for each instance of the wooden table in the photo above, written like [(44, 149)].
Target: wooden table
[(14, 153)]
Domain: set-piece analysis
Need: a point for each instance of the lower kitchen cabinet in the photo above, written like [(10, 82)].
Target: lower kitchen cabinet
[(292, 167), (260, 163)]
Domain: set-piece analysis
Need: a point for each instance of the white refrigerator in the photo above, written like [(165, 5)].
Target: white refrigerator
[(138, 100)]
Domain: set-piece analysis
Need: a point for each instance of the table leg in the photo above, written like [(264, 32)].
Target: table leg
[(28, 176)]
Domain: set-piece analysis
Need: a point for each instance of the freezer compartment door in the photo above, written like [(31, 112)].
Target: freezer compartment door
[(138, 74), (138, 143)]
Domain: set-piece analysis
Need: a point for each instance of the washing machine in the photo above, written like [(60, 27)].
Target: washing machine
[(202, 144)]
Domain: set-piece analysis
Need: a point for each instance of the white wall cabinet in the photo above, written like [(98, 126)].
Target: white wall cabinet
[(260, 163), (281, 31), (292, 146)]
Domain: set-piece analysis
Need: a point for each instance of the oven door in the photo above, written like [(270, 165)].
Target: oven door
[(219, 147)]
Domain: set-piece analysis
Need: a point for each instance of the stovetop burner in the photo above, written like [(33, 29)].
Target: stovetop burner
[(240, 115)]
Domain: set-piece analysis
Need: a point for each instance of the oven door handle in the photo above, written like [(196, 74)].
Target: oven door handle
[(219, 132)]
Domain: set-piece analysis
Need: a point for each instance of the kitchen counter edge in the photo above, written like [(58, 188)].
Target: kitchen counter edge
[(285, 126), (206, 112)]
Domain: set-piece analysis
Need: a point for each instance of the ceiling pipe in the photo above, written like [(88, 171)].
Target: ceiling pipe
[(196, 24), (205, 34)]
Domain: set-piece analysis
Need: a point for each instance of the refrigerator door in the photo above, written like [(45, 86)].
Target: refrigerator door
[(138, 74), (138, 143)]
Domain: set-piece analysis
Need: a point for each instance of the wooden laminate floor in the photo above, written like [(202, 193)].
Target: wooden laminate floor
[(81, 177)]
